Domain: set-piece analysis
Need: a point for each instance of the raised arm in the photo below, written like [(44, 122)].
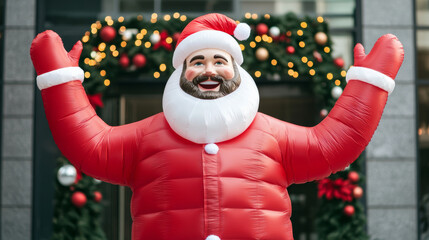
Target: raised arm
[(91, 145), (314, 153)]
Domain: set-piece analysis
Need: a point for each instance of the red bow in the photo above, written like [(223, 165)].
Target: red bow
[(338, 188), (95, 100), (163, 42)]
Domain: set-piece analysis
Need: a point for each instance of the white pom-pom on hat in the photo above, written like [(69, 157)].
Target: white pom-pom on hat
[(242, 31)]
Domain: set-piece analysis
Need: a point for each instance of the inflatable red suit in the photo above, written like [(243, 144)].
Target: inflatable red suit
[(210, 166)]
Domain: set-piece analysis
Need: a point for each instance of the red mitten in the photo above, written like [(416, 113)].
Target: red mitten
[(381, 65), (53, 64)]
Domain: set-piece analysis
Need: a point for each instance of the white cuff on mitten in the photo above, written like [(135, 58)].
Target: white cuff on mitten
[(59, 76), (372, 77)]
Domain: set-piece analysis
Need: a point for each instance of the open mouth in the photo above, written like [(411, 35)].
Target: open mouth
[(209, 85)]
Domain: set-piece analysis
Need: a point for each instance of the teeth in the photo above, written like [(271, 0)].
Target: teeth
[(209, 83)]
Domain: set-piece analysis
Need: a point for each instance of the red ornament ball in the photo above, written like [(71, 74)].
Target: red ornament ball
[(262, 29), (353, 176), (349, 210), (78, 199), (290, 50), (107, 34), (357, 192), (97, 196), (124, 61), (139, 60), (339, 62)]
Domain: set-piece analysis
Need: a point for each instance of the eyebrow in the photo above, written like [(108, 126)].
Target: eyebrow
[(196, 58), (220, 56)]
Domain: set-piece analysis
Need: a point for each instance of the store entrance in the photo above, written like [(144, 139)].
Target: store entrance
[(289, 102)]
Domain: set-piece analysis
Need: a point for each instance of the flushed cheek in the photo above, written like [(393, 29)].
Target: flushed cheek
[(190, 74), (228, 74)]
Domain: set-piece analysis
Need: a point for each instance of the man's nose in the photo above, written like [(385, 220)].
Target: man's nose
[(209, 70)]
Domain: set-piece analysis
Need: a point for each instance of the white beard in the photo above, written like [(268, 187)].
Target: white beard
[(210, 120)]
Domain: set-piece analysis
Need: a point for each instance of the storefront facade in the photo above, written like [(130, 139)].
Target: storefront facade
[(28, 152)]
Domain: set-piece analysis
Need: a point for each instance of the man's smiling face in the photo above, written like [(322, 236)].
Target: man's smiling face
[(209, 74)]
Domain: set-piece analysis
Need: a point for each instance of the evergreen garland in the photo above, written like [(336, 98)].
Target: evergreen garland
[(333, 222), (72, 222), (301, 51)]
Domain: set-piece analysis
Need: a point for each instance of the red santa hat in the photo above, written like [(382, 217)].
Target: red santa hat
[(211, 31)]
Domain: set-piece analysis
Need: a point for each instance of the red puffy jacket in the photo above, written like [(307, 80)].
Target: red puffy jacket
[(182, 192)]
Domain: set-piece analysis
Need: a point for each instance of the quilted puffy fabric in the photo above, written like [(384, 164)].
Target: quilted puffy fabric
[(182, 192)]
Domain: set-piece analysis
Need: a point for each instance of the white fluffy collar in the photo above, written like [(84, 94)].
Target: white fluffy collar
[(212, 120)]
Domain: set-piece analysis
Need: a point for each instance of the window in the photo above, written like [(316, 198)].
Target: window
[(422, 63), (194, 7)]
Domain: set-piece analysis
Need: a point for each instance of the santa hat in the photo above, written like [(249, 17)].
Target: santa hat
[(211, 31)]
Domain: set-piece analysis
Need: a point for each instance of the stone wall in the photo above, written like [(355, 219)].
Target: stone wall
[(17, 129), (391, 155)]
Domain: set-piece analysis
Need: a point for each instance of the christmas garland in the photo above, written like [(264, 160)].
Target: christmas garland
[(280, 48)]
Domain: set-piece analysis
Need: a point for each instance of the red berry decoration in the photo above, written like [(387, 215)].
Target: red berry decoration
[(353, 176), (78, 199), (107, 34), (290, 50), (349, 210), (262, 28), (317, 56), (124, 61), (339, 62), (357, 192), (139, 60), (97, 196), (176, 36)]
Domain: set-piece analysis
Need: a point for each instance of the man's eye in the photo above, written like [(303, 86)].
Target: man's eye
[(219, 63), (198, 64)]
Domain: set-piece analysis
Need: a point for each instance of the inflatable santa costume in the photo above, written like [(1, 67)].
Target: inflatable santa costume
[(211, 168)]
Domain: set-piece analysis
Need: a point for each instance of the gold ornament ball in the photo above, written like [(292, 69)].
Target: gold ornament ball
[(357, 192), (321, 38), (262, 54)]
